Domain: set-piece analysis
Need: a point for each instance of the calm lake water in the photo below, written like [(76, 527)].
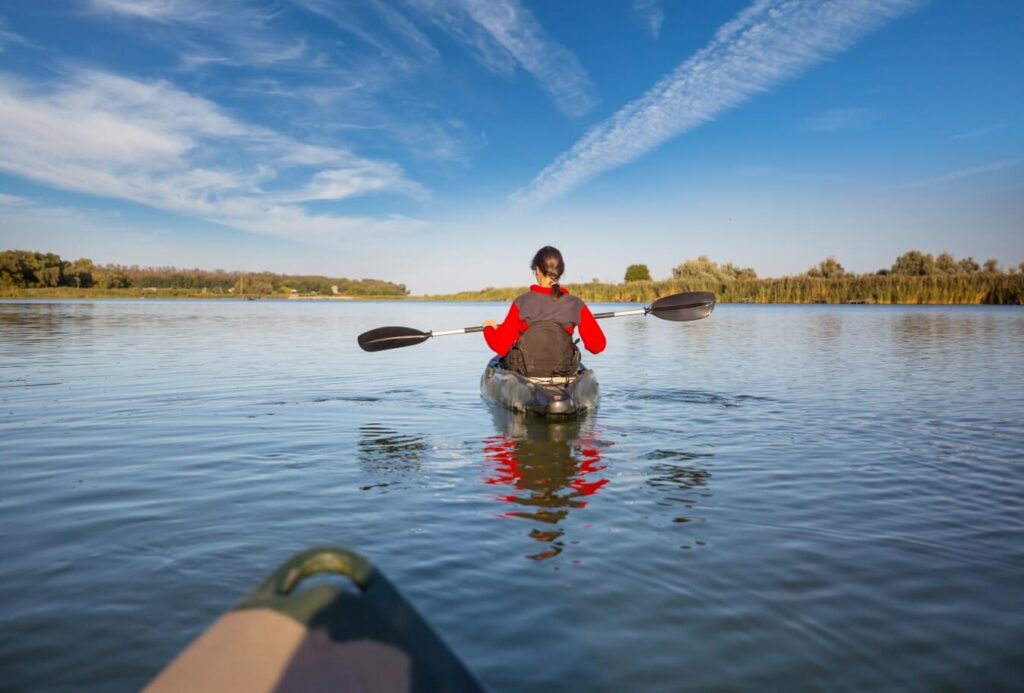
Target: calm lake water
[(811, 497)]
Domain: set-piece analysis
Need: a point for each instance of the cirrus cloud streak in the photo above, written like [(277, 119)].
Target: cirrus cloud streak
[(768, 43)]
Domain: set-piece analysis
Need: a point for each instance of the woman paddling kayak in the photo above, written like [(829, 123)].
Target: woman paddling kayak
[(535, 339)]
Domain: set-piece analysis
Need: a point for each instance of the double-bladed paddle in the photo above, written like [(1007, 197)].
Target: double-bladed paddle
[(691, 305)]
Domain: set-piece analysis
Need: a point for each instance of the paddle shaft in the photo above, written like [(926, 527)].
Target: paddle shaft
[(461, 330), (620, 313), (597, 316)]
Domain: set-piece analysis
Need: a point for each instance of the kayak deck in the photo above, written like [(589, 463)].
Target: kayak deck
[(323, 637), (554, 397)]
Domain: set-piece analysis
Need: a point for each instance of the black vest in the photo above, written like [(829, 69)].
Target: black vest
[(534, 306), (543, 351)]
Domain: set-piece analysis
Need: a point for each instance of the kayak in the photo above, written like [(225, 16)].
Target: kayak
[(324, 637), (555, 397)]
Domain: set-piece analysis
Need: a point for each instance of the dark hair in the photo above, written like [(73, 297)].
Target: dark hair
[(549, 261)]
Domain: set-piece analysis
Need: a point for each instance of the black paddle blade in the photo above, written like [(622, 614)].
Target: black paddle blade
[(381, 338), (692, 305)]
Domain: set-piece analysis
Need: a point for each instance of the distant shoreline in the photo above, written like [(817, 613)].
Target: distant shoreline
[(915, 278), (133, 293), (979, 289)]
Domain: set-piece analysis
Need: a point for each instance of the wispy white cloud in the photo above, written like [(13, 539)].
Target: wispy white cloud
[(836, 119), (397, 41), (178, 11), (250, 51), (517, 31), (156, 145), (13, 200), (452, 17), (651, 13), (8, 37), (978, 132), (766, 44), (501, 34), (229, 33), (969, 172), (352, 77), (342, 183)]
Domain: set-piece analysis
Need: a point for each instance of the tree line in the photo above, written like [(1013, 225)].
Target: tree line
[(915, 277), (913, 263), (22, 269)]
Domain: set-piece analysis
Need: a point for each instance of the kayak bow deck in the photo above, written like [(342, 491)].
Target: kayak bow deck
[(558, 396), (362, 637)]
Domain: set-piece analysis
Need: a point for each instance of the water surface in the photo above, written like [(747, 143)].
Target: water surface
[(813, 497)]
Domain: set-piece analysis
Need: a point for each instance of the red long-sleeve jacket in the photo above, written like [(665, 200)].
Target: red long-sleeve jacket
[(568, 311)]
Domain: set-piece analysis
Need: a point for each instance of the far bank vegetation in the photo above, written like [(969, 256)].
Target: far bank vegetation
[(31, 273), (914, 278)]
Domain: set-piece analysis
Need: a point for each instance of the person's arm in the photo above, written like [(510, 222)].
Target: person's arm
[(502, 337), (590, 332)]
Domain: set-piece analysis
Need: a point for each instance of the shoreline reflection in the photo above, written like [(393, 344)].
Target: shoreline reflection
[(551, 467)]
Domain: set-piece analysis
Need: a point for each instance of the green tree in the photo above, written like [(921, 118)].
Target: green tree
[(968, 266), (261, 287), (945, 263), (13, 268), (991, 265), (704, 269), (24, 268), (79, 273), (115, 278), (914, 263), (254, 284), (47, 269), (638, 273), (828, 268)]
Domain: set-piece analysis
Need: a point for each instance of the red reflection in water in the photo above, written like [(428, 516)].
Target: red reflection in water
[(552, 469)]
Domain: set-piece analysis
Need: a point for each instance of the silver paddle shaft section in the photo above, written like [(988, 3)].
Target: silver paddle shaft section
[(616, 314), (479, 328), (461, 330), (622, 313)]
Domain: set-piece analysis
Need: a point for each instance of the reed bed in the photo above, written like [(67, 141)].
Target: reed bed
[(947, 289)]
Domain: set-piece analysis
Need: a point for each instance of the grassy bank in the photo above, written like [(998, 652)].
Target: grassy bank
[(953, 289), (972, 289), (65, 292), (22, 270)]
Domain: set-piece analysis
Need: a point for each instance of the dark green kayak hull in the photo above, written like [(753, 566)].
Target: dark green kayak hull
[(539, 396)]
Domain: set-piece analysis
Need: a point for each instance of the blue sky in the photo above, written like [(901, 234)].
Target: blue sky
[(440, 142)]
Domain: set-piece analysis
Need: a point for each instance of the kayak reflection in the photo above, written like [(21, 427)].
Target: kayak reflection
[(552, 467)]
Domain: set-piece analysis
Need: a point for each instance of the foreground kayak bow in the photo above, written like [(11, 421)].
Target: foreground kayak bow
[(322, 638)]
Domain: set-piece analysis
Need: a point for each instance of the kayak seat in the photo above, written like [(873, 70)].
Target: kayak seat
[(544, 350)]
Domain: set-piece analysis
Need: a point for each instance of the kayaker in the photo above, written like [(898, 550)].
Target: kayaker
[(545, 305)]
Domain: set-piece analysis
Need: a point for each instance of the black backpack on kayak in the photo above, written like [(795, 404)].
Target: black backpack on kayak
[(543, 351)]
